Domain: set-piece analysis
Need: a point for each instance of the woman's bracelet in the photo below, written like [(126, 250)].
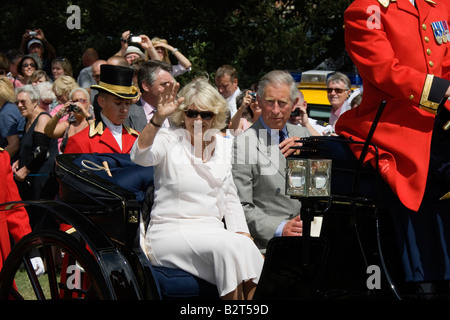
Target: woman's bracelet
[(154, 124), (174, 50)]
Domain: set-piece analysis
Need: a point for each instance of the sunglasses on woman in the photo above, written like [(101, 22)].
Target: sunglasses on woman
[(25, 65), (206, 115)]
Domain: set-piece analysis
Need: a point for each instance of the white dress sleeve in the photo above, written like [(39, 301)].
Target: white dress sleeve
[(152, 155)]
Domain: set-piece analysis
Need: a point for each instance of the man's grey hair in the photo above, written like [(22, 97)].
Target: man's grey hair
[(148, 71), (337, 77), (278, 77)]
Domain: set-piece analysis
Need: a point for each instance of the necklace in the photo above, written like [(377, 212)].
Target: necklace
[(208, 150)]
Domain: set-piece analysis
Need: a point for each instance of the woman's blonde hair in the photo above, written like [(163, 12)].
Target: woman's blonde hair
[(7, 92), (156, 41), (64, 84), (201, 94)]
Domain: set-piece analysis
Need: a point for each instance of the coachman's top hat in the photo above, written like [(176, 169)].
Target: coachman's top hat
[(117, 80)]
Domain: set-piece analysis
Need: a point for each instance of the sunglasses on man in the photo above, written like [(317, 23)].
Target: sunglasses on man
[(337, 90)]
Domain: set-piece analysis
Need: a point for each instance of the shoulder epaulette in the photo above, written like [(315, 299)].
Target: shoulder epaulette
[(131, 131), (385, 3), (96, 128), (99, 128)]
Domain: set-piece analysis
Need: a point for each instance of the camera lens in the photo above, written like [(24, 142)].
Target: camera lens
[(74, 108), (295, 113)]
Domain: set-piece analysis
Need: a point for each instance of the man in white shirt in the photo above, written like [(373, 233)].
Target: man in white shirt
[(227, 84)]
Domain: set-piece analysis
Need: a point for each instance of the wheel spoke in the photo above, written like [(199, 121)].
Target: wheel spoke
[(33, 278), (51, 272), (14, 293)]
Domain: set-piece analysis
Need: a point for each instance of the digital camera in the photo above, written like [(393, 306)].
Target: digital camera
[(296, 112), (134, 39), (74, 108), (32, 34)]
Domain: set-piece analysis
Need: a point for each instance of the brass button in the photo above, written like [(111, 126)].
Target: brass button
[(429, 52), (424, 27), (431, 63), (411, 97), (427, 39)]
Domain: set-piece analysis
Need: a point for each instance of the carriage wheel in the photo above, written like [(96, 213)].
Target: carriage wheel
[(77, 277)]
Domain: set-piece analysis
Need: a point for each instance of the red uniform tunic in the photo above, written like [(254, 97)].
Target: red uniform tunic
[(401, 61), (98, 138), (12, 222)]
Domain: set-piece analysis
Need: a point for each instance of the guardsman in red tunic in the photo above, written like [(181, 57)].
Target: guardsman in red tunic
[(13, 223), (402, 51), (108, 134)]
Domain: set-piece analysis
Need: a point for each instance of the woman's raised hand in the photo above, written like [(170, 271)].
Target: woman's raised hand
[(168, 102)]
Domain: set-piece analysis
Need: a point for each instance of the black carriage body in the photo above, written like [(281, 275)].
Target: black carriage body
[(110, 206)]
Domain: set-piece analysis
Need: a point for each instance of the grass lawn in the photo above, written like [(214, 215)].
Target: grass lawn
[(24, 285)]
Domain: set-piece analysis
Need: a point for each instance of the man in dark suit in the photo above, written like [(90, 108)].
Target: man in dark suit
[(259, 162), (108, 134)]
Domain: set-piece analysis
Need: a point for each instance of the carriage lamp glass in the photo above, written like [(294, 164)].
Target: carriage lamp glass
[(308, 177)]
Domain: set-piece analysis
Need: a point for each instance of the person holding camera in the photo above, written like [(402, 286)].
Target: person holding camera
[(300, 117), (162, 48), (247, 113), (80, 115), (128, 39), (34, 41)]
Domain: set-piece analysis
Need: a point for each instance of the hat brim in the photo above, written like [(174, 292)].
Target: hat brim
[(129, 96)]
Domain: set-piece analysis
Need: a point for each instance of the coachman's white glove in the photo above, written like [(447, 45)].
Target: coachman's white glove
[(38, 265)]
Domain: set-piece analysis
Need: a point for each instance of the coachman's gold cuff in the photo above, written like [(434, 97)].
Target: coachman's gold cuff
[(424, 103)]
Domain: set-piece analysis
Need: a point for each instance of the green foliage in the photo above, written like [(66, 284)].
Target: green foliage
[(253, 35)]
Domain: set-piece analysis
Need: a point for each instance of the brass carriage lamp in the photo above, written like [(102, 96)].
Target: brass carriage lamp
[(306, 178)]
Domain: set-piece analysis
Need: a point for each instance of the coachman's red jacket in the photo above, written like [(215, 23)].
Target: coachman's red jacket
[(15, 222), (402, 54)]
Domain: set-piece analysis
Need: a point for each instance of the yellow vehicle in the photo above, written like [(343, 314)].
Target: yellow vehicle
[(313, 85)]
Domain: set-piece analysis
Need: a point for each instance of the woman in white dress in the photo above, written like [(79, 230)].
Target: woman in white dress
[(195, 196)]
